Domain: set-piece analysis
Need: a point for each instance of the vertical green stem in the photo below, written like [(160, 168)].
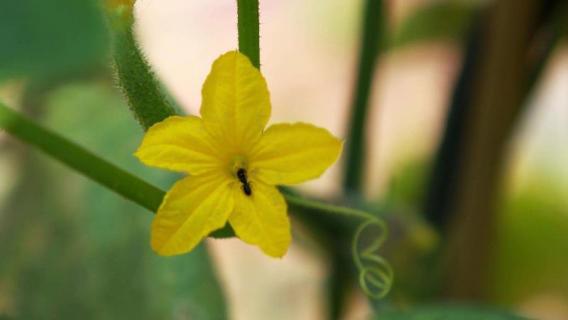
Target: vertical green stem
[(248, 26), (370, 43)]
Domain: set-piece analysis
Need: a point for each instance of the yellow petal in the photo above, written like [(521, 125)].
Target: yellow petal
[(193, 208), (235, 102), (261, 218), (293, 153), (179, 144)]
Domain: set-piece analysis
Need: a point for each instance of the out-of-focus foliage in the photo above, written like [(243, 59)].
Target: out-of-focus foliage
[(73, 250), (408, 184), (533, 248), (449, 312), (437, 21), (39, 37), (412, 242)]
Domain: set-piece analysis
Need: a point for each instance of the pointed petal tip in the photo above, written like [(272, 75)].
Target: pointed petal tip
[(235, 104), (164, 250), (137, 154), (277, 252), (159, 250), (232, 54), (192, 208), (279, 255), (291, 153)]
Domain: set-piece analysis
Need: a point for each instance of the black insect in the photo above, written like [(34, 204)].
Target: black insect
[(242, 175)]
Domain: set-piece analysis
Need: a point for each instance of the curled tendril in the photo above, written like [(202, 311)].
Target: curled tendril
[(375, 273)]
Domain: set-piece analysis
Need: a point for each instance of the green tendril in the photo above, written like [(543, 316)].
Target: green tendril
[(375, 273)]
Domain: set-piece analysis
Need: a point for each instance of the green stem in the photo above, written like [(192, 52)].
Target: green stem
[(249, 30), (80, 159), (300, 203), (370, 41)]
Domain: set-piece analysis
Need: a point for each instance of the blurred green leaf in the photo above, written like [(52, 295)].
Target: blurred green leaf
[(532, 251), (407, 185), (437, 21), (449, 312), (78, 251), (39, 37)]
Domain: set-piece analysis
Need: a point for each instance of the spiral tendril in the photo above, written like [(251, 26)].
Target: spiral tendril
[(375, 273)]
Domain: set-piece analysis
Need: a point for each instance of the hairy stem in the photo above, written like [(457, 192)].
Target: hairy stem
[(142, 89)]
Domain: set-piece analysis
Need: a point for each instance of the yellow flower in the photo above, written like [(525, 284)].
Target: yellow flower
[(233, 163)]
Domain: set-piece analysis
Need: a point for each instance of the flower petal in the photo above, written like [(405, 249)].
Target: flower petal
[(293, 153), (193, 208), (261, 218), (179, 144), (236, 104)]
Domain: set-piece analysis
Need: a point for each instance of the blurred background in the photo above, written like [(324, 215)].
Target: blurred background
[(465, 158)]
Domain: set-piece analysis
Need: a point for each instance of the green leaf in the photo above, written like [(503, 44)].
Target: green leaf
[(438, 21), (184, 284), (533, 236), (39, 37), (449, 312), (78, 251)]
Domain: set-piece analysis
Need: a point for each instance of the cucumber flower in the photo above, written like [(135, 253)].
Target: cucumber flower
[(233, 163)]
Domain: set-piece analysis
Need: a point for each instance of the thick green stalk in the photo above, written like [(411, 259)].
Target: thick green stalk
[(87, 163), (249, 30), (80, 159), (145, 97), (370, 43)]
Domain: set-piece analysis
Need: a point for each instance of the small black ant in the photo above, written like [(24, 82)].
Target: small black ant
[(242, 175)]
